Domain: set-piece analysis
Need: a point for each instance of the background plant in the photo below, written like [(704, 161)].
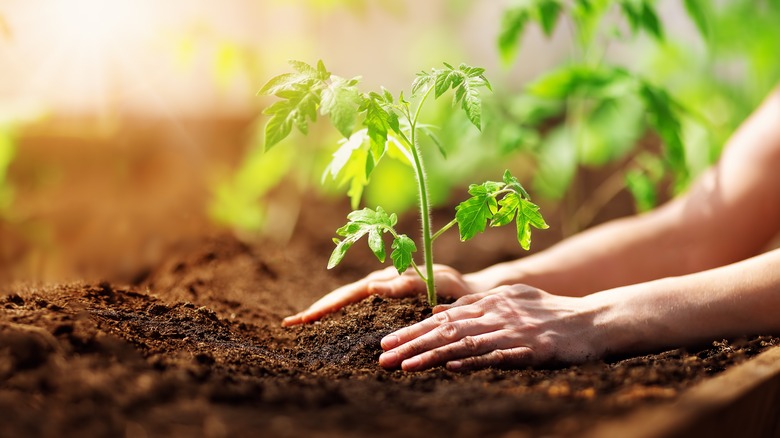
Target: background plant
[(7, 151), (392, 128), (591, 112)]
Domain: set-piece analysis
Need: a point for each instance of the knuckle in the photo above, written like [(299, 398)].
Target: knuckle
[(499, 356), (471, 344), (448, 331), (441, 318)]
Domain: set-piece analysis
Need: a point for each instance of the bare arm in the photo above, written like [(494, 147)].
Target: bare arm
[(728, 215), (521, 326)]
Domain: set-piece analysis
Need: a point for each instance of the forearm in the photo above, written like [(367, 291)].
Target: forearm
[(618, 253), (735, 300)]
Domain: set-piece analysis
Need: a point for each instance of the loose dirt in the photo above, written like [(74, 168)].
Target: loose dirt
[(195, 349)]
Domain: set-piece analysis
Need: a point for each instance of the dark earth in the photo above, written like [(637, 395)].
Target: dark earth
[(148, 322), (196, 349)]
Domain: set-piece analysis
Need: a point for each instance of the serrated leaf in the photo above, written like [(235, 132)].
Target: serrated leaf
[(506, 213), (472, 104), (340, 102), (421, 83), (350, 165), (376, 243), (339, 252), (446, 79), (403, 247), (299, 106), (527, 216), (378, 123), (305, 69), (280, 82), (472, 214), (362, 222)]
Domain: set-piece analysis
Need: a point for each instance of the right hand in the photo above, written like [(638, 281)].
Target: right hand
[(387, 283)]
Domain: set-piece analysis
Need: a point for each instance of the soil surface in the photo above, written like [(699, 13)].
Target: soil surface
[(195, 349), (172, 328)]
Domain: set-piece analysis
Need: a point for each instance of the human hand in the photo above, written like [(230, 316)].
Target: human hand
[(386, 283), (512, 326)]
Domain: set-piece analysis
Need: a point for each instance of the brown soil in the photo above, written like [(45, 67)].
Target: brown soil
[(196, 350), (183, 337)]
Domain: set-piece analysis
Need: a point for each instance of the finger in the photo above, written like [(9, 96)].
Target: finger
[(407, 334), (337, 299), (517, 357), (467, 346)]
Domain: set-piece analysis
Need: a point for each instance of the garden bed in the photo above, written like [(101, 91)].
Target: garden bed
[(195, 349)]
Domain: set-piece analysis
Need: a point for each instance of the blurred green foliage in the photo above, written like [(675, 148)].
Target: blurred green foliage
[(7, 151), (727, 78), (589, 111), (689, 91)]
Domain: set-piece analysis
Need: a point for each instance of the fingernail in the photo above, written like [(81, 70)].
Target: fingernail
[(455, 365), (390, 341), (389, 359), (411, 364)]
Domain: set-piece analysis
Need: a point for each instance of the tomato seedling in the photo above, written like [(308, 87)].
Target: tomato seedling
[(391, 127)]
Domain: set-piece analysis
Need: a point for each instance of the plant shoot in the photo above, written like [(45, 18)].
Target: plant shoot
[(390, 126)]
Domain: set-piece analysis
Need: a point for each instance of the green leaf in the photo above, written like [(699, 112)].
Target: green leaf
[(472, 214), (506, 213), (403, 247), (662, 116), (642, 189), (376, 243), (527, 216), (696, 10), (362, 222), (515, 19), (351, 164), (422, 83), (595, 82), (282, 82), (378, 122), (548, 12), (340, 102), (471, 103), (642, 16), (307, 70), (513, 23)]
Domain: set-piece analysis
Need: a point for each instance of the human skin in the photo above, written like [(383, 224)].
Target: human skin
[(688, 271)]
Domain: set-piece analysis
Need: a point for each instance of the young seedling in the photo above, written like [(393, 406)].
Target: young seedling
[(391, 127)]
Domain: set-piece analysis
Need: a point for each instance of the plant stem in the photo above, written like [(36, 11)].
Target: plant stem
[(425, 210), (444, 228)]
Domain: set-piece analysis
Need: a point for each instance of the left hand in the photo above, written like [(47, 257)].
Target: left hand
[(511, 326)]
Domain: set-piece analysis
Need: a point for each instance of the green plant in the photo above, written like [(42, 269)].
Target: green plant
[(391, 127), (599, 109), (7, 150)]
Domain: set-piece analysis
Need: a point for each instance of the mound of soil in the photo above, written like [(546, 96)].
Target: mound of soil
[(195, 349)]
